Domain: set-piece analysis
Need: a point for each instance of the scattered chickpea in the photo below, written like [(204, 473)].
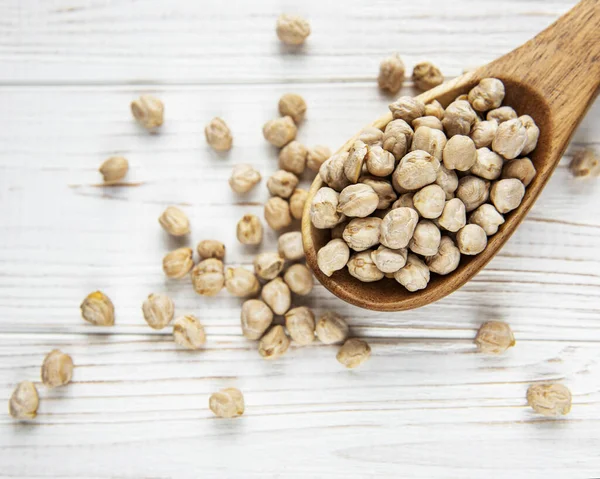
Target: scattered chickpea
[(502, 114), (24, 401), (292, 157), (316, 156), (430, 201), (391, 73), (487, 95), (243, 178), (507, 194), (208, 277), (434, 108), (290, 246), (114, 169), (363, 268), (276, 293), (353, 166), (158, 310), (299, 279), (249, 230), (292, 104), (358, 200), (148, 111), (174, 221), (397, 138), (454, 215), (282, 183), (98, 309), (389, 260), (483, 133), (426, 239), (488, 218), (280, 132), (57, 369), (430, 140), (473, 191), (549, 399), (447, 180), (333, 256), (416, 169), (510, 139), (522, 169), (407, 108), (188, 332), (227, 403), (414, 275), (274, 344), (178, 263), (383, 188), (494, 337), (218, 135), (488, 164), (585, 163), (427, 76), (430, 121), (277, 213), (256, 317), (268, 265), (446, 259), (300, 323), (211, 249), (332, 172), (471, 239), (459, 153), (297, 202), (353, 353), (241, 283), (397, 227), (292, 29), (332, 329), (459, 118)]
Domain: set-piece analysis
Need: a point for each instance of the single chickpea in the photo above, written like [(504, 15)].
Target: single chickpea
[(57, 369), (256, 317), (114, 169), (354, 164), (522, 169), (316, 156), (488, 218), (300, 323), (362, 267), (290, 246), (353, 353), (502, 114), (483, 133), (292, 104), (415, 170), (426, 239), (414, 275), (446, 260), (507, 194), (430, 201), (487, 95), (332, 329), (459, 153), (178, 263), (371, 136), (148, 111), (268, 265), (379, 162), (208, 277), (158, 310), (292, 29), (473, 191), (324, 208), (241, 283), (362, 233), (471, 239), (174, 221), (430, 121), (297, 202), (454, 215), (299, 279), (430, 140), (533, 134), (277, 213), (397, 138), (383, 188), (188, 332), (407, 108), (218, 135), (358, 200), (488, 164), (459, 118), (274, 344), (211, 249), (280, 132), (434, 108), (397, 227), (447, 180), (391, 74), (24, 401), (227, 403), (549, 399), (332, 171), (494, 337), (510, 139), (282, 183), (243, 178), (584, 163), (98, 309), (277, 295), (333, 256), (427, 76), (389, 260), (249, 230), (292, 158)]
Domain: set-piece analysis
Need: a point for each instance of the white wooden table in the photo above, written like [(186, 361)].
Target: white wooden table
[(426, 405)]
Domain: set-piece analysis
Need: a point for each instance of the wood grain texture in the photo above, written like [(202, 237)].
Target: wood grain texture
[(426, 405)]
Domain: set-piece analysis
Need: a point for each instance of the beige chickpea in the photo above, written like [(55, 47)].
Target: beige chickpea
[(208, 277), (487, 95), (405, 201), (431, 121), (494, 337), (277, 213), (241, 283), (57, 369), (434, 108), (488, 218), (362, 267), (148, 111), (397, 227), (292, 157), (227, 403), (488, 164), (426, 239), (174, 221), (324, 208), (430, 140), (280, 132), (243, 178), (371, 136), (380, 162), (383, 188), (178, 263), (268, 265), (447, 180), (549, 399), (473, 191), (507, 194), (218, 135), (502, 114), (454, 215), (446, 260), (292, 104), (331, 329), (158, 310), (362, 233), (300, 323), (358, 200), (276, 293), (256, 317), (415, 170), (98, 309), (249, 230), (274, 344), (354, 164), (510, 139), (299, 279), (211, 249), (114, 169), (297, 202), (407, 108), (471, 239), (353, 353), (188, 332), (459, 118), (391, 73), (24, 401), (430, 201), (316, 156), (292, 29), (397, 138), (584, 163), (333, 256), (332, 172), (427, 76), (290, 246), (522, 169), (483, 133), (389, 260), (459, 153), (282, 183), (533, 134), (414, 275)]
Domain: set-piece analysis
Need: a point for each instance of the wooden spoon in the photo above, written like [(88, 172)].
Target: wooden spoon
[(554, 78)]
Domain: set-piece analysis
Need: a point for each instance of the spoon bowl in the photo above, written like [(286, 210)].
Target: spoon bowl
[(553, 78)]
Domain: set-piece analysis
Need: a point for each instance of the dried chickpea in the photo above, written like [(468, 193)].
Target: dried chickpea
[(243, 178), (446, 259), (299, 279), (292, 104), (57, 369), (300, 323), (391, 73), (292, 29), (389, 260), (211, 249), (280, 132), (290, 246), (502, 114), (208, 277), (407, 108), (274, 344), (98, 309), (473, 191), (292, 158), (332, 329), (241, 283), (549, 399), (488, 218), (426, 239), (114, 169), (158, 310), (405, 201), (510, 139), (458, 119), (427, 76), (454, 215), (487, 95), (584, 163), (332, 172), (333, 256), (383, 188), (430, 201), (188, 332), (276, 293), (218, 135), (227, 403), (416, 169), (397, 138), (277, 213), (494, 337), (316, 156), (249, 230), (148, 111), (324, 208), (488, 164), (379, 162), (362, 267), (282, 183), (256, 317), (507, 194), (447, 180), (353, 353), (178, 263), (414, 275), (430, 140), (358, 200), (533, 134), (24, 401), (471, 239), (522, 169), (362, 233), (354, 164), (434, 108), (174, 221), (459, 153), (268, 265), (483, 133), (297, 202), (397, 227), (431, 121)]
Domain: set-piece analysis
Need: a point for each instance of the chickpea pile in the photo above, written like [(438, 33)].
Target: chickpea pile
[(410, 200)]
